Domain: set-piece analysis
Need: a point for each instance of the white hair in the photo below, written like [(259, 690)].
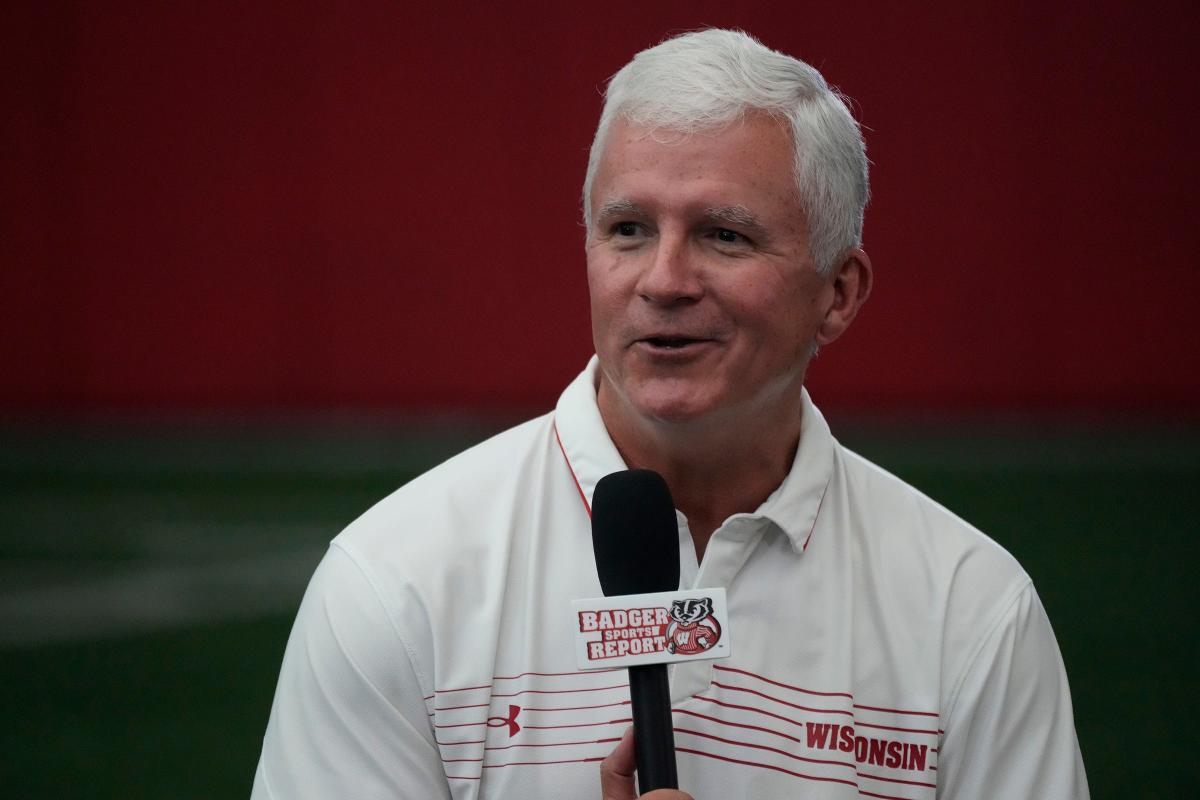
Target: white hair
[(711, 78)]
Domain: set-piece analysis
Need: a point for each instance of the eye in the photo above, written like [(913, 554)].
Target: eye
[(729, 237), (626, 229)]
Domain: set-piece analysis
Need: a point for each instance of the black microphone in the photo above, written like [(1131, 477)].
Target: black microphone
[(636, 541)]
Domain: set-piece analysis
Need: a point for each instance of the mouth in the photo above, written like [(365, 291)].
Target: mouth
[(673, 347), (671, 342)]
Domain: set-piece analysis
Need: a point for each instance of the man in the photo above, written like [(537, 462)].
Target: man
[(881, 646)]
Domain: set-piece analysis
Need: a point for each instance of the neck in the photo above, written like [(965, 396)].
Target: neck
[(714, 468)]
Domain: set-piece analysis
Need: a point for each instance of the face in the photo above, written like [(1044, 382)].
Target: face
[(705, 302)]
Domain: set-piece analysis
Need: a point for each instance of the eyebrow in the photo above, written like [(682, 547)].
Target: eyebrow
[(735, 215), (619, 208)]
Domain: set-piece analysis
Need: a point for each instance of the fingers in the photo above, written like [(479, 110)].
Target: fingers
[(616, 776), (616, 771)]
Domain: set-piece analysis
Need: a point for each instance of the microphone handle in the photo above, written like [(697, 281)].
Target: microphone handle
[(653, 732)]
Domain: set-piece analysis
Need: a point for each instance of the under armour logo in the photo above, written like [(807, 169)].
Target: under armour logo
[(510, 721)]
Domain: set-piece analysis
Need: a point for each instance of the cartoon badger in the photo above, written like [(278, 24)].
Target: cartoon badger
[(693, 628)]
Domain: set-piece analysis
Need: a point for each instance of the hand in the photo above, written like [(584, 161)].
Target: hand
[(616, 776)]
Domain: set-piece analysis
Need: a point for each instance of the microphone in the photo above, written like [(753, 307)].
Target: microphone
[(635, 537)]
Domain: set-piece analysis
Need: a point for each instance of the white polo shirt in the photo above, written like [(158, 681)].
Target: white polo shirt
[(882, 647)]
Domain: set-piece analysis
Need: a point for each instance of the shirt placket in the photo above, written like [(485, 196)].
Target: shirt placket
[(727, 551)]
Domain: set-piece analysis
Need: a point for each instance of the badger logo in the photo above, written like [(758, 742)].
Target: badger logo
[(693, 628)]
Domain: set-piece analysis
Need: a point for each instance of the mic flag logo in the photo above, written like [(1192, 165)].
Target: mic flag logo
[(693, 627), (655, 628)]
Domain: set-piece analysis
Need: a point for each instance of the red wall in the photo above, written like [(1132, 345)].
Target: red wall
[(277, 205)]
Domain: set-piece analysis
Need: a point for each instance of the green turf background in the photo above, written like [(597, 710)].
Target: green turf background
[(1104, 522)]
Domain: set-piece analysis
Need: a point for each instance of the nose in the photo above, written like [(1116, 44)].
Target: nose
[(672, 275)]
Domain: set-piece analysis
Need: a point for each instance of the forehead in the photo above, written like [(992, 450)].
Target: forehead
[(747, 164)]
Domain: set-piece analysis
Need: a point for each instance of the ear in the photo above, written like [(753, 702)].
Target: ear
[(851, 283)]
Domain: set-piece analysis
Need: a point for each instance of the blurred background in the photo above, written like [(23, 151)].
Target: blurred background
[(261, 263)]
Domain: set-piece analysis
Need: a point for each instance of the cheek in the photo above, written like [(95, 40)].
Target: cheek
[(601, 298), (607, 286), (795, 308), (605, 305), (766, 308)]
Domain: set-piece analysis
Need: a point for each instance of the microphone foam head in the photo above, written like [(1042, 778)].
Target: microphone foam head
[(635, 534)]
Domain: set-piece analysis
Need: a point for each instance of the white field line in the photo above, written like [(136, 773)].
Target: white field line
[(156, 598)]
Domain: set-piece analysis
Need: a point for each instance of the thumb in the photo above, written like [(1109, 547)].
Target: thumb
[(616, 775), (616, 771)]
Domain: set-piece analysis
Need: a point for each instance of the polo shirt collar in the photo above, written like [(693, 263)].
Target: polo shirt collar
[(793, 507), (584, 440)]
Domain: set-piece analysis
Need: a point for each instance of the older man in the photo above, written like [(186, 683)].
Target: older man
[(881, 646)]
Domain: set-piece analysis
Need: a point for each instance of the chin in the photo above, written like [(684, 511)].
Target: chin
[(674, 407)]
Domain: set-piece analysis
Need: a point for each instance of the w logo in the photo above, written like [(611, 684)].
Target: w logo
[(510, 721)]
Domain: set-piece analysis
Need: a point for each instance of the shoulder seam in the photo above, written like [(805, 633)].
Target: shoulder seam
[(1005, 611), (427, 685), (267, 783)]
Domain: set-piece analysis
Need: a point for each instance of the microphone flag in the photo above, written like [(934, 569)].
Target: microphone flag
[(655, 628)]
